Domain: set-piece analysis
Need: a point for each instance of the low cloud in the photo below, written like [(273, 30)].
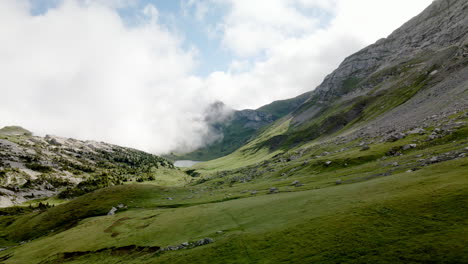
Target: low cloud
[(79, 70)]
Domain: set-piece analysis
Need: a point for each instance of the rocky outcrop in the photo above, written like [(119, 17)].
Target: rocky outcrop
[(253, 118)]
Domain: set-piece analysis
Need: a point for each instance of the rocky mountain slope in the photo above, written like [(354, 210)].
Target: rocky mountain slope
[(418, 73), (411, 85), (33, 167), (421, 65)]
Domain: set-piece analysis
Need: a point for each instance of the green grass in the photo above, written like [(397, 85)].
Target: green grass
[(14, 131), (366, 206), (379, 213), (248, 154), (281, 108), (399, 218), (235, 134)]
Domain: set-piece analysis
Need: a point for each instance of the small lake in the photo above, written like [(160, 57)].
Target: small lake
[(185, 163)]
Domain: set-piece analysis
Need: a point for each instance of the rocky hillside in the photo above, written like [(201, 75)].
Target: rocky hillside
[(443, 24), (416, 79), (33, 167), (417, 73), (393, 85)]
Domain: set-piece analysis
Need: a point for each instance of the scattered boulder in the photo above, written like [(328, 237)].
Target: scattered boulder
[(204, 241), (253, 193), (328, 162), (339, 181), (417, 130), (184, 245), (396, 136), (365, 147), (409, 146), (273, 190), (297, 183), (112, 211)]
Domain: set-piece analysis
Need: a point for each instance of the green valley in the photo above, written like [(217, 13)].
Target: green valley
[(369, 167)]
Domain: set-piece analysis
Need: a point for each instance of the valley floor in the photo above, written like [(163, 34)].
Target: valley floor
[(402, 200), (404, 217)]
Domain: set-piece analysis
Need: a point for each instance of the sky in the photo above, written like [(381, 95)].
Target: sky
[(141, 73)]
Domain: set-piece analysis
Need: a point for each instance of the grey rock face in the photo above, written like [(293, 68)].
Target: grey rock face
[(255, 119), (442, 24)]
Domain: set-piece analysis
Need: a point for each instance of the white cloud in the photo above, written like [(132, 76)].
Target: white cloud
[(80, 71), (298, 62), (251, 26)]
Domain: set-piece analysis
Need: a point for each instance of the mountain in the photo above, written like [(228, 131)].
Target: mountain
[(370, 168), (395, 85), (375, 80), (235, 128), (33, 167)]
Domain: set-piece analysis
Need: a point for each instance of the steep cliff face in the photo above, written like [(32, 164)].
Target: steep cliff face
[(444, 23)]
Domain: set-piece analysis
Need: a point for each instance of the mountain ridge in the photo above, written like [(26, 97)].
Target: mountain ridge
[(33, 167)]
